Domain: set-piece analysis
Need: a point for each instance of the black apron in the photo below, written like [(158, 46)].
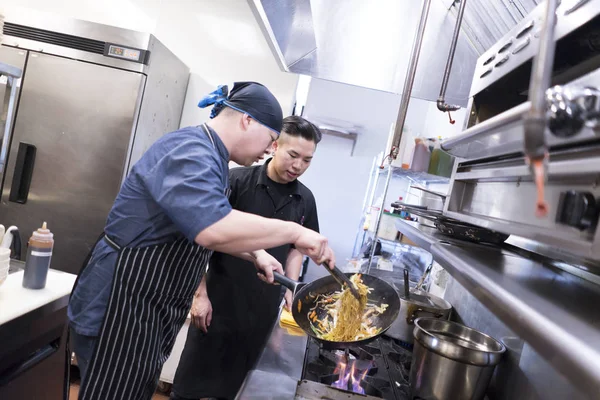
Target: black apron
[(215, 364), (152, 292)]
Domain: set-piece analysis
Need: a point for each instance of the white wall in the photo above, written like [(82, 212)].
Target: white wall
[(139, 15), (220, 41)]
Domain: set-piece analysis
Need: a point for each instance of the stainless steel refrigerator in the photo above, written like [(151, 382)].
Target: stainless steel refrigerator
[(91, 99)]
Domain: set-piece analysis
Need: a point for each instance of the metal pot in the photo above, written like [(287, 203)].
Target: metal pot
[(451, 361), (417, 304)]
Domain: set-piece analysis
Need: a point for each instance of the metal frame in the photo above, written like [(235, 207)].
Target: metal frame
[(410, 79), (367, 203), (379, 215), (441, 101)]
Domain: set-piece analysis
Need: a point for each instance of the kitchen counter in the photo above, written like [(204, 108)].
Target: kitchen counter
[(15, 300), (279, 368), (33, 325)]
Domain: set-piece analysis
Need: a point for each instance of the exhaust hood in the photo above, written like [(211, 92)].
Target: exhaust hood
[(366, 43)]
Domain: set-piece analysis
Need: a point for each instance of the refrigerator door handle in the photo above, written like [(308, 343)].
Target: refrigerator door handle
[(12, 75), (19, 190)]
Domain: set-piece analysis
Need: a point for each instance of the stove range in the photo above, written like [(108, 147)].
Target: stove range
[(380, 368)]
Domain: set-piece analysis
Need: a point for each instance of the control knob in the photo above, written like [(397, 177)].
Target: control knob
[(570, 109), (578, 209)]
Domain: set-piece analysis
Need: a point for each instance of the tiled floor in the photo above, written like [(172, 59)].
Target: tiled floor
[(74, 391)]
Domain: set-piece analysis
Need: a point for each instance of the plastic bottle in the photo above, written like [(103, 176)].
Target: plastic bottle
[(435, 158), (421, 156), (409, 148), (39, 255), (441, 162)]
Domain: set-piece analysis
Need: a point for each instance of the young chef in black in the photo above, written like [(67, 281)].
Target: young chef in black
[(233, 311)]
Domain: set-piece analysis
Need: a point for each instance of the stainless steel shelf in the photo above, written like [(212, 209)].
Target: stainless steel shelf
[(415, 177), (423, 236), (391, 244), (554, 311)]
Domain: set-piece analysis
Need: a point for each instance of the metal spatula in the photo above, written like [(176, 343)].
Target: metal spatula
[(342, 279)]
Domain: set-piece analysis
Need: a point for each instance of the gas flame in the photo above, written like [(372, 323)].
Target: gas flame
[(356, 388), (349, 377)]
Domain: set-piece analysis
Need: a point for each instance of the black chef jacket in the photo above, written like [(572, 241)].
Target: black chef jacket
[(244, 308)]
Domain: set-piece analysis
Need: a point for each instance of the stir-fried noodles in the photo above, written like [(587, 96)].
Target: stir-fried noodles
[(345, 318)]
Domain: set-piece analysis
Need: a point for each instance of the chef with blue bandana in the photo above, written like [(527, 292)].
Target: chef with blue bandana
[(137, 285)]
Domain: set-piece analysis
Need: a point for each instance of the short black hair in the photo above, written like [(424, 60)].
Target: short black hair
[(300, 127)]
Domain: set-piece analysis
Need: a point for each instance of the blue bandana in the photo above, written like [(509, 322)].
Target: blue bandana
[(249, 98)]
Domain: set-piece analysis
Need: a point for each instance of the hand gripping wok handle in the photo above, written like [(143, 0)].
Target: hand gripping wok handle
[(285, 281)]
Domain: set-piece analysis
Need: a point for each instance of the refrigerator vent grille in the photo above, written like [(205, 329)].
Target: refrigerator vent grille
[(56, 38)]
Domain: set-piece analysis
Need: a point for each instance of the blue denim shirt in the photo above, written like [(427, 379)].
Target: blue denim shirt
[(177, 188)]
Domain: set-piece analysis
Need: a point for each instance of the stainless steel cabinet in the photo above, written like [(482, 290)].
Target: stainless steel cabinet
[(68, 151)]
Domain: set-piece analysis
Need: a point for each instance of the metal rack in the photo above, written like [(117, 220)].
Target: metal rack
[(421, 178), (388, 175)]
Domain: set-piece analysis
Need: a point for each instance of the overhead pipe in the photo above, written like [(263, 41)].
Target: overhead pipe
[(408, 82), (536, 151), (441, 101), (406, 92)]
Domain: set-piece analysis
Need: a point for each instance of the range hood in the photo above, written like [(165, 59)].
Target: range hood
[(367, 43)]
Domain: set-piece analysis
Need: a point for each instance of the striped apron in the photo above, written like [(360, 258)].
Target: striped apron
[(152, 293)]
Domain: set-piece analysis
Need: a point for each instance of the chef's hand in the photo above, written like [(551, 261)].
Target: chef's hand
[(266, 264), (289, 299), (316, 247), (201, 312)]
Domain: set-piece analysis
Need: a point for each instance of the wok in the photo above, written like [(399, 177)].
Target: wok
[(306, 294)]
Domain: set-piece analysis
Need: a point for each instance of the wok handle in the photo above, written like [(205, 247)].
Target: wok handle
[(285, 281)]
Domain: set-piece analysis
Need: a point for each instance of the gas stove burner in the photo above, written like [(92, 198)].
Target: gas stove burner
[(369, 385), (327, 362), (308, 390), (341, 368), (380, 368)]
